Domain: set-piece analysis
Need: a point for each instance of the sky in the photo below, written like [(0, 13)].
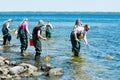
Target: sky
[(61, 5)]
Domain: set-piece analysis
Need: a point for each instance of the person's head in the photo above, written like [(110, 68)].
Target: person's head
[(48, 21), (9, 20), (78, 22), (86, 27), (40, 23), (25, 19)]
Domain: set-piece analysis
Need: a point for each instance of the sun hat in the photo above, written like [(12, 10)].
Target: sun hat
[(40, 23), (9, 20), (25, 19)]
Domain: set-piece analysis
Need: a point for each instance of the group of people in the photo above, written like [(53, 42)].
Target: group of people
[(22, 34), (78, 33)]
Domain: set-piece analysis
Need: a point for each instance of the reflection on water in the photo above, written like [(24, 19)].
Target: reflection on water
[(77, 72), (6, 49), (78, 59), (37, 61), (78, 69)]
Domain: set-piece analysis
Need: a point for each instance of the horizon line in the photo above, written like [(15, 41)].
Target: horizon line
[(64, 11)]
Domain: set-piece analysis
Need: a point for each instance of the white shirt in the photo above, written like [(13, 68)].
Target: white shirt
[(80, 30)]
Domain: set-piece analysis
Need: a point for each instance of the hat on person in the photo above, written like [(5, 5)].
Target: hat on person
[(40, 23), (9, 20), (26, 19)]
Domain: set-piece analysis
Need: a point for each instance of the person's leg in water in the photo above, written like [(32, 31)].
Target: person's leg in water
[(75, 45), (37, 45), (77, 49), (26, 44), (9, 38), (49, 35), (37, 60), (4, 40), (23, 45)]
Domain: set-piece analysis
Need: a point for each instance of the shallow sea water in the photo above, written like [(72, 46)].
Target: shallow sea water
[(103, 37)]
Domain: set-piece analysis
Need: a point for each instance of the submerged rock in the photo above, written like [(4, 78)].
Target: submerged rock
[(56, 72), (46, 67), (37, 73)]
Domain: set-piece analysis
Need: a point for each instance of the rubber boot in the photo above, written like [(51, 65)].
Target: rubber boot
[(76, 54), (37, 55)]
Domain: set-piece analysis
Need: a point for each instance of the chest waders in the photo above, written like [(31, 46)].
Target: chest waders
[(37, 45), (75, 44), (48, 32), (23, 40), (6, 36)]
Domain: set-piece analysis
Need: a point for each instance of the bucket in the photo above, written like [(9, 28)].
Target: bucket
[(31, 42), (81, 35), (15, 31)]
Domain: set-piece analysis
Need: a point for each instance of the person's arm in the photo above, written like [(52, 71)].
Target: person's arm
[(85, 40), (28, 31), (74, 27), (51, 26), (75, 33), (8, 25), (38, 33)]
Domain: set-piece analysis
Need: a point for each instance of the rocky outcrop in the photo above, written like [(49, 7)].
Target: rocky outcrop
[(13, 70)]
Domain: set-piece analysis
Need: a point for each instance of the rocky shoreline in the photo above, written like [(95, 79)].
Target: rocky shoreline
[(13, 70)]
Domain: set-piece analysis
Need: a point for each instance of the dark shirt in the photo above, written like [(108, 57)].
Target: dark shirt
[(4, 28), (35, 31)]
